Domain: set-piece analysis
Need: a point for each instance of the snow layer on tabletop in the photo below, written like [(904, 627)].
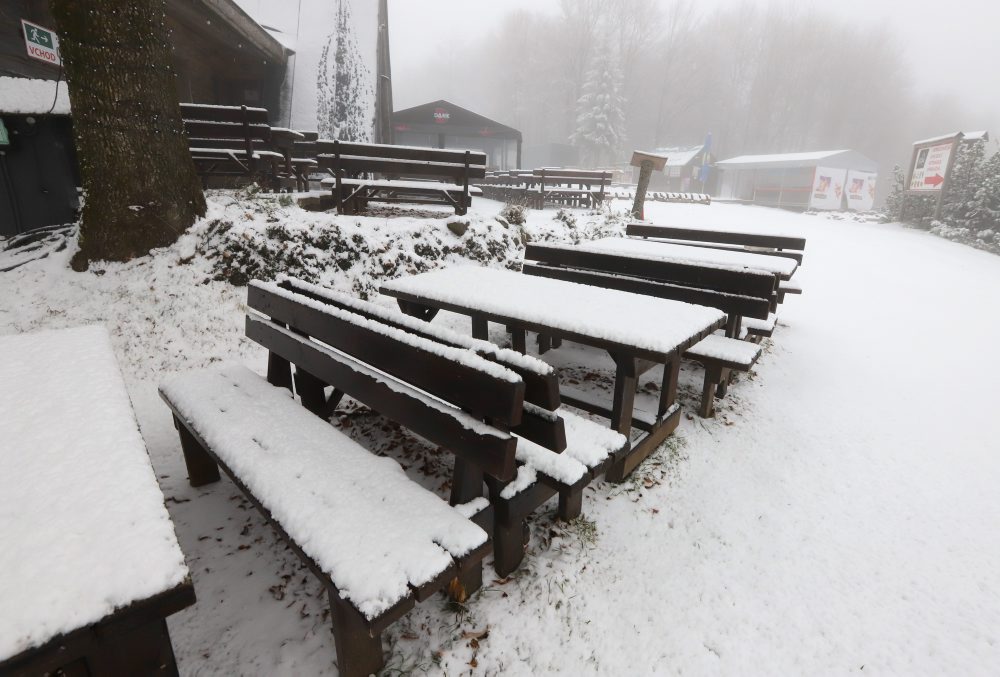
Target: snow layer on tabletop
[(727, 349), (33, 96), (461, 356), (82, 519), (357, 515), (643, 322), (680, 253), (511, 357)]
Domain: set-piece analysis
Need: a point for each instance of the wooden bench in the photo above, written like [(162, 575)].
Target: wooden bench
[(324, 494), (720, 355), (744, 295), (557, 452), (763, 243), (405, 174), (571, 187), (237, 141), (90, 563)]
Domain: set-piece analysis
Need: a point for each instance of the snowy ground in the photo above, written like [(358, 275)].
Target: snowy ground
[(839, 515)]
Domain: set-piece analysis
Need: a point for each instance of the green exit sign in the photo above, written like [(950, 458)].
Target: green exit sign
[(41, 42), (4, 137)]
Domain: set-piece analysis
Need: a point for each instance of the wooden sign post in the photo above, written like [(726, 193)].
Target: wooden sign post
[(646, 162)]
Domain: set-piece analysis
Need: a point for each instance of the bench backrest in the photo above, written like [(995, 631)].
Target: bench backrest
[(304, 322), (211, 113), (763, 240), (392, 160), (572, 176), (746, 292)]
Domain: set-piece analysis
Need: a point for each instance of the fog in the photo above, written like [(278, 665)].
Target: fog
[(762, 77)]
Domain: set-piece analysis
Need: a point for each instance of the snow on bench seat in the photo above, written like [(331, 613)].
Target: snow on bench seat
[(760, 327), (790, 287), (83, 527), (666, 251), (365, 524), (228, 152), (588, 445), (729, 351)]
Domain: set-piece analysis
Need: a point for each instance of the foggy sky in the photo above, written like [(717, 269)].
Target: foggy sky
[(953, 45)]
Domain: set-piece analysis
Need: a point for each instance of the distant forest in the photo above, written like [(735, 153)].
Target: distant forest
[(780, 79)]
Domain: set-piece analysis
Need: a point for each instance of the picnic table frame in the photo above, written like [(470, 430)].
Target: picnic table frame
[(133, 640), (630, 363)]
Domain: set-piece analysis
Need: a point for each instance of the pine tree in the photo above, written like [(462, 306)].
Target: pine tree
[(345, 91), (984, 207), (600, 117), (963, 183), (141, 186)]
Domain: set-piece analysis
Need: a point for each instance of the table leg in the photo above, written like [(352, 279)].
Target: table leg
[(668, 389), (626, 376), (480, 328), (466, 482), (518, 339)]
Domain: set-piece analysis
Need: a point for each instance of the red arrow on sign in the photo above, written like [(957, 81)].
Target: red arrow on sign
[(935, 180)]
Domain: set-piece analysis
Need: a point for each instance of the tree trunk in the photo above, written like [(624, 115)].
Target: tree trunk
[(142, 190)]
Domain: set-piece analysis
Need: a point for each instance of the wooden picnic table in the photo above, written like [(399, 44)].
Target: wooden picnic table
[(90, 566), (784, 268), (638, 332)]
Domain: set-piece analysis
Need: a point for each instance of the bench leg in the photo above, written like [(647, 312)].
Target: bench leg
[(570, 503), (712, 375), (518, 340), (310, 390), (723, 388), (480, 328), (508, 546), (201, 467), (544, 343), (467, 582), (359, 652), (145, 650)]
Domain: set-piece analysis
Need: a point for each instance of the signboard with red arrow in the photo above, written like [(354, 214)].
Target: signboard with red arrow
[(930, 166)]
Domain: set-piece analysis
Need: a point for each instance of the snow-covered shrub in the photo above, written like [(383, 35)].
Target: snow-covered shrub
[(254, 237), (514, 214)]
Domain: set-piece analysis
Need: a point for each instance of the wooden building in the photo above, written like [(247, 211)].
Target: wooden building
[(442, 124), (221, 56)]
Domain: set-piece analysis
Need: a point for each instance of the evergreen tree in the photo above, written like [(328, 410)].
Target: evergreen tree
[(600, 116), (345, 93), (964, 182), (984, 208)]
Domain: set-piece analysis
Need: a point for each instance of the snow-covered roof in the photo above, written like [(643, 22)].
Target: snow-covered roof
[(678, 156), (32, 96), (935, 139), (807, 157), (981, 135)]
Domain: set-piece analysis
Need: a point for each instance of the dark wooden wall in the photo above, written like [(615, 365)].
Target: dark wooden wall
[(213, 64)]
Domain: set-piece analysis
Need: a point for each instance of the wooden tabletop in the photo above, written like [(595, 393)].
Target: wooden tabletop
[(632, 324)]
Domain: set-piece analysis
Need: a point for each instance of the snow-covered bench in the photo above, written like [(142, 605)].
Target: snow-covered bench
[(238, 141), (407, 174), (738, 291), (556, 452), (774, 244), (572, 187), (90, 566), (720, 355)]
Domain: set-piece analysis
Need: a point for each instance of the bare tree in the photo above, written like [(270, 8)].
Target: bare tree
[(142, 191)]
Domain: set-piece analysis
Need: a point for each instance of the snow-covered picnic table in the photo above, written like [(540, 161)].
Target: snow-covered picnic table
[(639, 332), (667, 251), (88, 548)]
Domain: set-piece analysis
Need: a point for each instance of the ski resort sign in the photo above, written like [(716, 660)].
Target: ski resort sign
[(931, 163), (41, 43)]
